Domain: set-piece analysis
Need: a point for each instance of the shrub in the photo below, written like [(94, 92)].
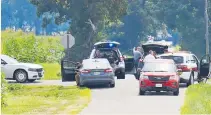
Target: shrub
[(30, 48), (52, 71), (197, 100)]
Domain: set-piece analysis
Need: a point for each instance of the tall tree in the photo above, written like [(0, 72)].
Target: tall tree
[(100, 12)]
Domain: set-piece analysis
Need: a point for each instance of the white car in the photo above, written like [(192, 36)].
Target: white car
[(188, 63), (21, 72)]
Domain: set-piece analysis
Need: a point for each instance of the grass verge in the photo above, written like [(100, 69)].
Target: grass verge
[(45, 99), (52, 71), (197, 100)]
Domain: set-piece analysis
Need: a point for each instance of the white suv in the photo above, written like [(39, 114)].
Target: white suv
[(109, 48), (187, 62)]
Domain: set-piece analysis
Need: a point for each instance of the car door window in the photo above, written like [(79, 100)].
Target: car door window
[(3, 62)]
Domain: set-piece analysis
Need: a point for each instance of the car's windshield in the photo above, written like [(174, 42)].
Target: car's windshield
[(177, 59), (158, 67), (9, 60)]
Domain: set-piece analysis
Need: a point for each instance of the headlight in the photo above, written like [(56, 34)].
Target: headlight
[(144, 77), (32, 69)]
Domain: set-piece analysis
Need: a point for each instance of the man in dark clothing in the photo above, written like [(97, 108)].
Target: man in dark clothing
[(137, 56)]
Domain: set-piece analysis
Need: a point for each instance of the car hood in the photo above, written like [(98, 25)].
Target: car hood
[(159, 73), (29, 65)]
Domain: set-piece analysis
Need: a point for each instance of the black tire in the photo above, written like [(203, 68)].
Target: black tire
[(21, 76), (112, 85), (31, 80), (121, 75), (141, 92), (191, 80), (176, 93)]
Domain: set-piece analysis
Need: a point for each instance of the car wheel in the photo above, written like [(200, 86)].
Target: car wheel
[(21, 76), (31, 80), (191, 80), (121, 75), (112, 85), (176, 93), (141, 92)]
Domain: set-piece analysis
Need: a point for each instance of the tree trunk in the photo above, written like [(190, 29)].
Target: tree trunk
[(206, 27)]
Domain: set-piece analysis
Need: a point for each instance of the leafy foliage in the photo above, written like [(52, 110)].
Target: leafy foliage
[(29, 48), (101, 13)]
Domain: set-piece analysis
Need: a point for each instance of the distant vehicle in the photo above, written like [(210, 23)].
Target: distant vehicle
[(108, 50), (192, 68), (96, 71), (159, 75), (21, 72)]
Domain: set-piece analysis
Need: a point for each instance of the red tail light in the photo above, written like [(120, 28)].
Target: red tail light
[(85, 71), (183, 67), (108, 70), (121, 58)]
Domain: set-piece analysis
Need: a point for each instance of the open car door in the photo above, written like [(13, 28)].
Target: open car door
[(129, 62), (68, 70), (205, 67)]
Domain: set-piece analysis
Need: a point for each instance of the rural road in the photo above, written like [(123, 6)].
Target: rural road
[(124, 99)]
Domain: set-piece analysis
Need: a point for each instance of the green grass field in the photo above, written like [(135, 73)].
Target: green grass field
[(197, 100), (45, 99), (52, 71)]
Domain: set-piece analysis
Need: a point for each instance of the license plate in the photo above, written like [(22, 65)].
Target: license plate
[(158, 85), (96, 73)]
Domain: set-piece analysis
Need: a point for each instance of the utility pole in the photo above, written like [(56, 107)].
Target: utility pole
[(206, 27)]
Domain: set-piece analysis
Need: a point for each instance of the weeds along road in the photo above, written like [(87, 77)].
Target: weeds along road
[(124, 99)]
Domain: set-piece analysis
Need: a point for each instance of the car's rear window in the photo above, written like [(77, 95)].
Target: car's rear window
[(177, 59)]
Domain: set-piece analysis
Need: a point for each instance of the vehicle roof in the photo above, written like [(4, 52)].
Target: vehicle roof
[(159, 61), (176, 54), (102, 42), (162, 43), (4, 56)]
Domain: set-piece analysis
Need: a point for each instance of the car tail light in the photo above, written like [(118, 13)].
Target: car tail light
[(108, 70), (85, 71), (183, 67)]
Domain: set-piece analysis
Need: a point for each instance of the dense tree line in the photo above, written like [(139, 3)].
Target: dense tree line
[(126, 21)]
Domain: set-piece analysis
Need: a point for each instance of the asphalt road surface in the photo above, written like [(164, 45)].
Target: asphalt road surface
[(124, 99)]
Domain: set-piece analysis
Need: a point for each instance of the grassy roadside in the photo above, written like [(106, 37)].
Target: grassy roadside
[(45, 99), (197, 100), (52, 71)]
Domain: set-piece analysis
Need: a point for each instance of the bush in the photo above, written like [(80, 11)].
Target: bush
[(30, 48), (52, 71), (197, 100)]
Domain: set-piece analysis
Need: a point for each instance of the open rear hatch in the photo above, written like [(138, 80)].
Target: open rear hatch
[(158, 48)]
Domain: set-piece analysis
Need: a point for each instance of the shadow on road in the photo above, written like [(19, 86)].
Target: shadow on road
[(98, 86)]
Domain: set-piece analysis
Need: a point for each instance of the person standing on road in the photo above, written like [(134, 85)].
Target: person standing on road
[(137, 55), (150, 56), (77, 79)]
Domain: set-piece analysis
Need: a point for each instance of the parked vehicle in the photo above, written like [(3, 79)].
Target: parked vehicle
[(96, 71), (159, 75), (188, 63), (108, 50), (21, 72)]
